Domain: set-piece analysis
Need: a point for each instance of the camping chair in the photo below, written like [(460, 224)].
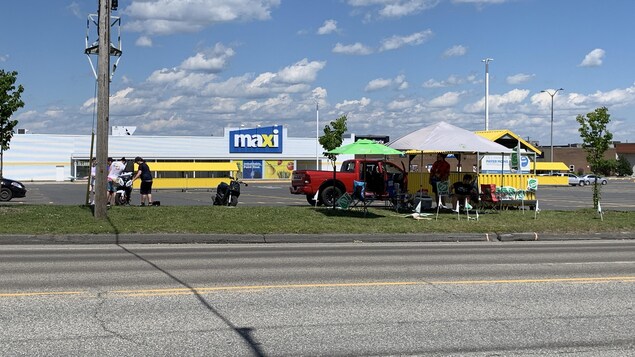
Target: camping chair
[(488, 197), (359, 198), (443, 190)]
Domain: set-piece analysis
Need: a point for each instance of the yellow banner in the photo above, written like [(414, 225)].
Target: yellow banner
[(278, 169)]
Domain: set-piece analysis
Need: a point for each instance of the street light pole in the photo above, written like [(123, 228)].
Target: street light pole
[(487, 61), (317, 135), (552, 95)]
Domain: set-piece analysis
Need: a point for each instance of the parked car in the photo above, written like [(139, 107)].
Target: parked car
[(574, 180), (11, 189), (590, 179)]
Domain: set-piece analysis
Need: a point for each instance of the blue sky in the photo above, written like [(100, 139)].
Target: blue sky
[(393, 66)]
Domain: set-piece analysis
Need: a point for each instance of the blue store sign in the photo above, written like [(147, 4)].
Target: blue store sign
[(257, 140)]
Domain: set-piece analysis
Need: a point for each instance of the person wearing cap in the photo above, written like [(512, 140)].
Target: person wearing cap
[(439, 172), (145, 175)]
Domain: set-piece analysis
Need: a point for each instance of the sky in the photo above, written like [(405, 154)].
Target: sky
[(194, 67)]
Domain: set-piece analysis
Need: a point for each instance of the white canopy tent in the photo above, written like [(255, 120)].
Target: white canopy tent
[(447, 138), (444, 137)]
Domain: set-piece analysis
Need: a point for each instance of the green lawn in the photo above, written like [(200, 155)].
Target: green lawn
[(48, 219)]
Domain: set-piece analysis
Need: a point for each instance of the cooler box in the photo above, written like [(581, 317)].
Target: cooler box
[(426, 201)]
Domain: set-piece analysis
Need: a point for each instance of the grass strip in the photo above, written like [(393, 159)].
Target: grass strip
[(58, 219)]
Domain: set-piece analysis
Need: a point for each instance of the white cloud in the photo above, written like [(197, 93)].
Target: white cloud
[(328, 27), (400, 104), (452, 80), (455, 51), (498, 103), (593, 58), (301, 72), (398, 82), (618, 97), (211, 60), (396, 8), (414, 39), (377, 84), (448, 99), (349, 105), (164, 17), (76, 10), (354, 49), (144, 41), (4, 58), (520, 78)]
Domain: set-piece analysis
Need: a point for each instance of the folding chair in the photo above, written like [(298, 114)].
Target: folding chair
[(360, 198), (488, 197)]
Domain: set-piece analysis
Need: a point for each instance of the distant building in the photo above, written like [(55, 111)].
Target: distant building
[(260, 153)]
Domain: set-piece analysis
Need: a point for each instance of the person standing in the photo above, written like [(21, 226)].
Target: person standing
[(439, 172), (114, 169), (93, 176), (145, 175)]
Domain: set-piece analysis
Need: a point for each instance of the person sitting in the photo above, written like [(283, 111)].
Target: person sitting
[(462, 190)]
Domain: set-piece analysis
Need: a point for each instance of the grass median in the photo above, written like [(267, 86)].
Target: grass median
[(58, 220)]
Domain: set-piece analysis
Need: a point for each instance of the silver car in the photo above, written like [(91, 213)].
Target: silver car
[(590, 179), (574, 180)]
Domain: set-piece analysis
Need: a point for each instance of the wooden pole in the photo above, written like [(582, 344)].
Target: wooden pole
[(103, 102)]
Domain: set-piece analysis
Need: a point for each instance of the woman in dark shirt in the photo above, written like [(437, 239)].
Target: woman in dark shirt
[(145, 175)]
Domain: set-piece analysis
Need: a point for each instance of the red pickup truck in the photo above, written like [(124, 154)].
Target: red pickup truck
[(382, 178)]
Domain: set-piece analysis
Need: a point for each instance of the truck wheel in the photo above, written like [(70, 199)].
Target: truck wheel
[(330, 195)]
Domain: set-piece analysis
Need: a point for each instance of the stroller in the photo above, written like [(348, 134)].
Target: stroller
[(227, 194)]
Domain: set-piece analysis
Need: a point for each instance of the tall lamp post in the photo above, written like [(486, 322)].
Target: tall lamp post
[(552, 95), (487, 61), (317, 135)]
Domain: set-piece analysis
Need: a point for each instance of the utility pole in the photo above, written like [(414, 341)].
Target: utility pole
[(103, 103), (317, 135), (487, 61)]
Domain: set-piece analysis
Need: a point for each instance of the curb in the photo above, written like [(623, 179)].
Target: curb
[(172, 238)]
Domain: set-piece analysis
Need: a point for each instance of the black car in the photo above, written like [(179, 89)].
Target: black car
[(11, 189)]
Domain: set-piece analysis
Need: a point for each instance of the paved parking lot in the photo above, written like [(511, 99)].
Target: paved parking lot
[(618, 194)]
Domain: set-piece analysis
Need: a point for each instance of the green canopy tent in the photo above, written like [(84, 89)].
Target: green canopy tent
[(365, 147)]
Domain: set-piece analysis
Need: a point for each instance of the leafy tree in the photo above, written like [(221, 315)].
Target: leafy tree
[(604, 167), (623, 167), (332, 139), (333, 136), (596, 140), (9, 102)]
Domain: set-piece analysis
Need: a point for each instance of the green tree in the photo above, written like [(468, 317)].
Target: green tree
[(623, 167), (596, 140), (333, 136), (332, 139), (9, 102), (604, 167)]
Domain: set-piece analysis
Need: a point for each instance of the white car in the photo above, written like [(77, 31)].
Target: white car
[(590, 179)]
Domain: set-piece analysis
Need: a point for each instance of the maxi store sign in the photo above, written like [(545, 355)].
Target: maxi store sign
[(257, 140)]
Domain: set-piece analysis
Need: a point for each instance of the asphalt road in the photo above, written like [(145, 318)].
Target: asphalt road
[(469, 299), (617, 195)]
